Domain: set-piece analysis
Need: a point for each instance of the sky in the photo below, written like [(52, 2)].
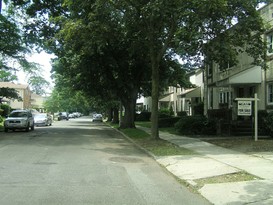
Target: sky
[(44, 60)]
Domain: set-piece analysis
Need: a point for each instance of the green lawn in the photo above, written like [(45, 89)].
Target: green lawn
[(156, 147), (143, 123), (147, 124)]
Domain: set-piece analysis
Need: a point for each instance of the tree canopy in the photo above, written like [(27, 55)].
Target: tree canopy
[(14, 48), (117, 47)]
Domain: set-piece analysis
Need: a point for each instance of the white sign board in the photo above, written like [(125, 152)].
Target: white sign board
[(244, 107)]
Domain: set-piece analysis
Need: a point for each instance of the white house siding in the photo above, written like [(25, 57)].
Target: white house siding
[(24, 93)]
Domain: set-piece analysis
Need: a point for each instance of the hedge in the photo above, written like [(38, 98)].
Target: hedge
[(196, 125)]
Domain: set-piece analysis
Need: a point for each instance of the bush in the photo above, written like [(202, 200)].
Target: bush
[(165, 113), (268, 122), (198, 109), (143, 116), (262, 127), (6, 109), (167, 122), (182, 113), (225, 114), (195, 125)]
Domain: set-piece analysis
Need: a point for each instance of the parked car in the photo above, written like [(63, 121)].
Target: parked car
[(71, 115), (42, 119), (63, 116), (77, 114), (97, 117), (19, 119)]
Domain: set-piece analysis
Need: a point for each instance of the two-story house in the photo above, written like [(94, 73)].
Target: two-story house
[(23, 91), (179, 98), (37, 102), (223, 87)]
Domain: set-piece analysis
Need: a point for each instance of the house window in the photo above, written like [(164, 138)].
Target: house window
[(211, 99), (270, 93), (210, 67), (270, 43), (223, 97)]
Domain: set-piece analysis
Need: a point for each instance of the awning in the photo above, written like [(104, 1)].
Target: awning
[(191, 93), (166, 98), (249, 76)]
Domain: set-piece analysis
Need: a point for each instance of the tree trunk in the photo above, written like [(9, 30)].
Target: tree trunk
[(129, 115), (110, 115), (115, 115), (155, 96)]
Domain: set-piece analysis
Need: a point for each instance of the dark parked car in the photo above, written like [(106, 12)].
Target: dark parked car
[(19, 119), (42, 119), (63, 116)]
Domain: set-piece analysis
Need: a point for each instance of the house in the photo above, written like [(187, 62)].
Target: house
[(23, 91), (37, 102), (223, 87), (179, 98), (193, 97)]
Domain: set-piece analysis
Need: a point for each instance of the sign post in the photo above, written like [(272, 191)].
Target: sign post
[(256, 116), (245, 109)]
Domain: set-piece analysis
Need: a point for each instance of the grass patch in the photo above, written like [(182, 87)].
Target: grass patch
[(164, 148), (147, 124), (114, 125), (144, 123), (136, 134), (158, 147), (234, 177)]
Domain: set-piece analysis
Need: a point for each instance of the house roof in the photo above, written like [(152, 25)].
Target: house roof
[(13, 85), (166, 98), (249, 76), (191, 93)]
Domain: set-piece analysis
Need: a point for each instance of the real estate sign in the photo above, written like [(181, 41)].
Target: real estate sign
[(244, 107)]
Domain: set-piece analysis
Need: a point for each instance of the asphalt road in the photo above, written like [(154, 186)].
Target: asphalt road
[(83, 162)]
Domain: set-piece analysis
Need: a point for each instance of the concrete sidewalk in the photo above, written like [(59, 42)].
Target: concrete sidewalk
[(212, 160)]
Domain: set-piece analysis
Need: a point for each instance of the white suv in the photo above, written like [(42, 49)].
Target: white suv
[(19, 119)]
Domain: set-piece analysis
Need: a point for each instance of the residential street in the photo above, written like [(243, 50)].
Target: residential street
[(83, 162)]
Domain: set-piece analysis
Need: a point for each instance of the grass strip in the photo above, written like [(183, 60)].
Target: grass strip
[(233, 177), (158, 147)]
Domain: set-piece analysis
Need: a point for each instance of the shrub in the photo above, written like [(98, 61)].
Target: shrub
[(268, 121), (225, 114), (195, 125), (143, 116), (6, 109), (164, 113), (262, 127), (167, 122), (198, 109), (182, 113)]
